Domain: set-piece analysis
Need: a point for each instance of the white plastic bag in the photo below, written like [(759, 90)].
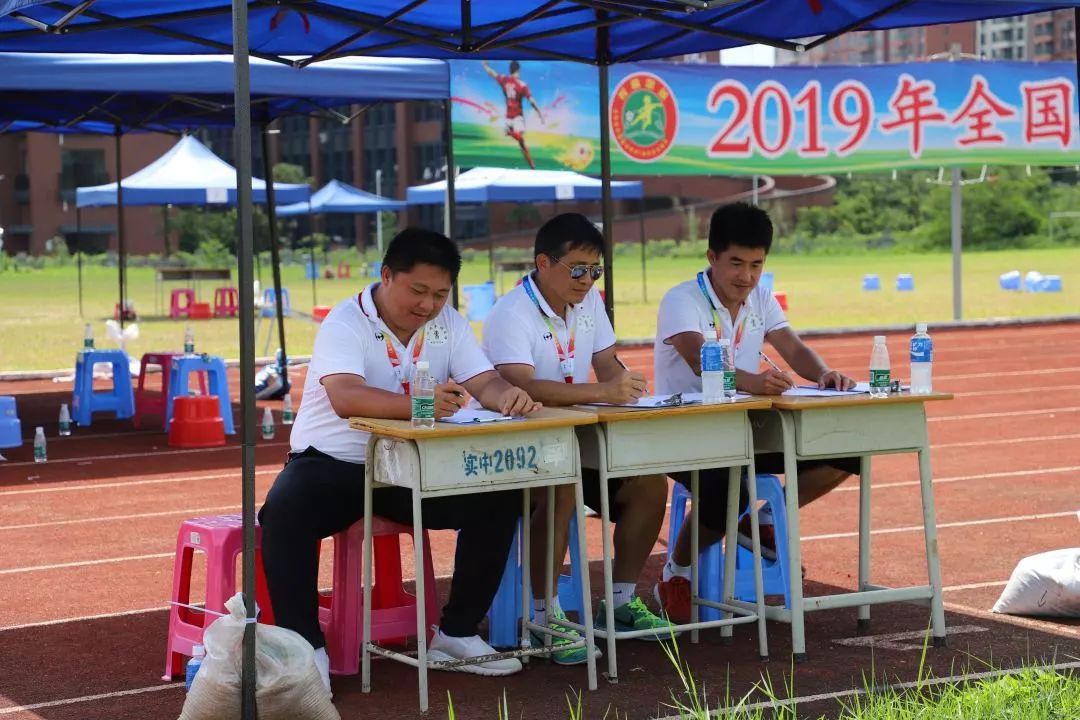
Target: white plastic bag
[(288, 685), (1047, 584)]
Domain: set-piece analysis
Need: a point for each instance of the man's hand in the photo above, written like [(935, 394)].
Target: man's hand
[(770, 382), (449, 398), (626, 389), (516, 402), (835, 379)]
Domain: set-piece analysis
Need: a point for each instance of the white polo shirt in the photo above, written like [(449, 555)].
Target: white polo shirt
[(351, 341), (517, 333), (685, 309)]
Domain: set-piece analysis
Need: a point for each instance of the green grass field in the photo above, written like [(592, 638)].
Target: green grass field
[(40, 327)]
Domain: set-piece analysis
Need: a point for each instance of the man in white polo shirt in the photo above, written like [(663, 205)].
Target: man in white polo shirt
[(544, 336), (725, 301), (364, 355)]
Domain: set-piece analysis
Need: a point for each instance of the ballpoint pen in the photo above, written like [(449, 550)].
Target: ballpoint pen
[(767, 359)]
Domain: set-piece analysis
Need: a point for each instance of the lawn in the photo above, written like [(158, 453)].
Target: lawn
[(41, 329)]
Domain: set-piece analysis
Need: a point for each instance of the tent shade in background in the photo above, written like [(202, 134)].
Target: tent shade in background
[(339, 197), (491, 185), (189, 174)]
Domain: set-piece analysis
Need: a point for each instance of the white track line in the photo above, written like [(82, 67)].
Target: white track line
[(963, 523), (89, 698), (965, 478), (1009, 373), (1010, 441), (187, 513), (975, 586), (131, 483), (85, 563), (83, 618), (154, 454), (1012, 413), (1044, 388)]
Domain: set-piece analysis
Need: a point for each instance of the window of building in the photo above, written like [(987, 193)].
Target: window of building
[(80, 168), (428, 111)]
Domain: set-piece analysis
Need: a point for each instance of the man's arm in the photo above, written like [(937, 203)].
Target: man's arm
[(770, 382), (537, 109), (688, 345), (351, 396), (620, 389), (807, 363), (495, 393)]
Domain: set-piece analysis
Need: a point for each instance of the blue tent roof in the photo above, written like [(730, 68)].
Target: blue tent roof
[(339, 197), (156, 92), (189, 174), (487, 185), (566, 29)]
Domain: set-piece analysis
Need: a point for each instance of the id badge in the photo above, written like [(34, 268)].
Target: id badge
[(567, 367)]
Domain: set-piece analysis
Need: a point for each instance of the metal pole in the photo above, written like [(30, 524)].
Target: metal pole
[(120, 239), (242, 90), (378, 215), (754, 196), (78, 250), (641, 230), (450, 206), (957, 243), (275, 253), (607, 212), (165, 229)]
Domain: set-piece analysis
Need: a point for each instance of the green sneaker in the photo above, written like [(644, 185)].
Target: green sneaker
[(635, 615), (567, 656)]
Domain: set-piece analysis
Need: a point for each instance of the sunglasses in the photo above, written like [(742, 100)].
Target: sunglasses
[(578, 271)]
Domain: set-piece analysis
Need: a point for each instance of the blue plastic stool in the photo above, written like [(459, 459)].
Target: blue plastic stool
[(505, 612), (774, 573), (871, 282), (311, 271), (481, 298), (375, 269), (767, 280), (905, 282), (1009, 280), (269, 303), (1051, 283), (120, 399), (217, 384), (10, 427)]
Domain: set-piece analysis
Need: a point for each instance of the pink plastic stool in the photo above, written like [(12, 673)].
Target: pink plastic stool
[(226, 302), (393, 612), (178, 310), (148, 402)]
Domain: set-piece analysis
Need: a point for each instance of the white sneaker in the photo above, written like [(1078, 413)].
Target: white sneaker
[(445, 648), (322, 662)]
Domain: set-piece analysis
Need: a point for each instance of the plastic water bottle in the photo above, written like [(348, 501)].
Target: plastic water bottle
[(729, 370), (268, 424), (422, 392), (189, 341), (286, 410), (65, 420), (193, 665), (40, 454), (88, 337), (922, 361), (879, 368), (712, 373)]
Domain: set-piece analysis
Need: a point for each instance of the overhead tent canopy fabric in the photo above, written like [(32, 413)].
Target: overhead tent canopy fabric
[(189, 174), (170, 92), (342, 198), (532, 29), (491, 185)]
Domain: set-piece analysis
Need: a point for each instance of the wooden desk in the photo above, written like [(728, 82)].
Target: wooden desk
[(540, 451), (809, 428), (628, 442)]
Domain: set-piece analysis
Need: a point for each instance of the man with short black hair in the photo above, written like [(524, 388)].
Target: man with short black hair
[(364, 355), (544, 336), (726, 301)]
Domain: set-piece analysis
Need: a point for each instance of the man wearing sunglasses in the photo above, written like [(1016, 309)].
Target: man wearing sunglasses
[(544, 336)]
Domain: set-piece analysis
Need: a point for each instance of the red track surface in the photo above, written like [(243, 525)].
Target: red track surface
[(86, 545)]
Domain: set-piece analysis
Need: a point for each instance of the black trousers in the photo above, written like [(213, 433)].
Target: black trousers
[(316, 496)]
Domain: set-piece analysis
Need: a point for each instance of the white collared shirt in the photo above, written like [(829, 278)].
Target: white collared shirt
[(515, 333), (351, 341), (685, 309)]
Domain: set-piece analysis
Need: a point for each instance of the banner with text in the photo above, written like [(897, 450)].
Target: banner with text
[(682, 119)]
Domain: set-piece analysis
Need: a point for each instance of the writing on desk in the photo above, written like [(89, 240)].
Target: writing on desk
[(521, 457)]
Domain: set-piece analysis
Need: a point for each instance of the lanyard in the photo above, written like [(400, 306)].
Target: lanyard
[(566, 357), (391, 351), (716, 315)]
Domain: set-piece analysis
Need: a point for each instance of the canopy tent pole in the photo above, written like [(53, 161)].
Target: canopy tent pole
[(275, 254), (78, 250), (607, 212), (120, 244), (242, 109), (450, 217), (641, 231), (165, 230), (378, 215), (957, 245)]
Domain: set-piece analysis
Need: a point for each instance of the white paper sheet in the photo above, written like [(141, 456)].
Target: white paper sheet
[(660, 401), (468, 416), (812, 391)]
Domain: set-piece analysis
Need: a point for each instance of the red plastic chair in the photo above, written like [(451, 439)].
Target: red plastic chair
[(149, 402)]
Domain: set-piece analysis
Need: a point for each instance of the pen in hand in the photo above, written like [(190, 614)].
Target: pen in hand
[(775, 367)]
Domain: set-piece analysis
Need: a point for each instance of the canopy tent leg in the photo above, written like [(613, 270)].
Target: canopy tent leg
[(450, 217), (607, 211), (275, 254), (78, 251), (121, 245), (957, 222), (644, 271)]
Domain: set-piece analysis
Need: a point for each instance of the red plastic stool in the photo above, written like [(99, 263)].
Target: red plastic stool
[(176, 308), (226, 302), (344, 270), (200, 311), (319, 312), (393, 612), (781, 297), (148, 402), (196, 422)]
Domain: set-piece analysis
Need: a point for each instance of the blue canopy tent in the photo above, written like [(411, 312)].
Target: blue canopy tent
[(600, 32), (336, 197), (487, 185)]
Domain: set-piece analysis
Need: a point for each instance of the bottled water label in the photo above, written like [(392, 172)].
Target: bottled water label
[(922, 349), (880, 379), (729, 383), (423, 408), (712, 358)]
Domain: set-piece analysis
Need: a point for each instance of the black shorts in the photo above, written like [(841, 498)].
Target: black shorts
[(590, 489)]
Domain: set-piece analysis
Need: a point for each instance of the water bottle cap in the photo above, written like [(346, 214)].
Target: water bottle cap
[(422, 365), (39, 430), (724, 342), (920, 327), (198, 651), (879, 339)]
